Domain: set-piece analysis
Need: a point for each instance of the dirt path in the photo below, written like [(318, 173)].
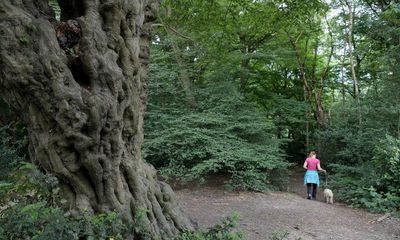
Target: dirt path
[(263, 215)]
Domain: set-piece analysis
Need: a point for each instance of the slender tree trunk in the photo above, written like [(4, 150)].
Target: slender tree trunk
[(244, 69), (342, 75), (398, 115), (84, 104), (183, 73), (320, 111), (318, 91), (307, 121), (398, 124), (352, 63), (312, 89), (244, 62)]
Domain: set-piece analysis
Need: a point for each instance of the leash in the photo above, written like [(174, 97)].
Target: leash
[(326, 179)]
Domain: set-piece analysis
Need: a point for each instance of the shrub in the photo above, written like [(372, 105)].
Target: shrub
[(372, 185), (30, 209), (27, 184), (39, 221), (13, 144), (227, 135), (221, 231), (386, 162)]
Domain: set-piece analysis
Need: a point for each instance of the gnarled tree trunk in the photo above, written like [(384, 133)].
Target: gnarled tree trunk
[(84, 103)]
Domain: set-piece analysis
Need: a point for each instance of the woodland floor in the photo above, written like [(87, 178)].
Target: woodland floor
[(264, 215)]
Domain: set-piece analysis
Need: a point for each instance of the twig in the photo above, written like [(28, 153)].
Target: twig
[(383, 217)]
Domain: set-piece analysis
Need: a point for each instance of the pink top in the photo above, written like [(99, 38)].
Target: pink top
[(312, 163)]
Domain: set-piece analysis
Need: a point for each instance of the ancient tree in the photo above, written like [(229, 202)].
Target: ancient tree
[(79, 86)]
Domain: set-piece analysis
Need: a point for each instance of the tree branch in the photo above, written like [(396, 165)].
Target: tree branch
[(166, 26), (326, 69), (300, 63), (180, 34)]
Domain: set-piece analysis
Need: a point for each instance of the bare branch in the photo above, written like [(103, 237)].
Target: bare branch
[(298, 37), (179, 34), (167, 27)]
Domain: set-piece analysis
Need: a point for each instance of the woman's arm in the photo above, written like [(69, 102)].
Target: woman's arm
[(319, 167), (305, 164)]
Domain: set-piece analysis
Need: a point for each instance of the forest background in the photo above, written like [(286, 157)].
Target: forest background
[(247, 88)]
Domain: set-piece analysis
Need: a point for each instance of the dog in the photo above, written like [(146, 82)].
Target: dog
[(328, 195)]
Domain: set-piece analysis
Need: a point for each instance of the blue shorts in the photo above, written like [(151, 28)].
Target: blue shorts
[(311, 176)]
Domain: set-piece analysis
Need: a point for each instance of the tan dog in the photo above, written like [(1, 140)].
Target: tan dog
[(328, 195)]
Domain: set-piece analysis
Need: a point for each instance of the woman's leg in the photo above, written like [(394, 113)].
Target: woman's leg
[(314, 190), (308, 190)]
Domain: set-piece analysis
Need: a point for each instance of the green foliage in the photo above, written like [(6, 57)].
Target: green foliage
[(105, 226), (39, 221), (56, 8), (13, 144), (364, 157), (386, 162), (221, 231), (28, 184), (246, 43), (36, 221), (25, 39), (140, 224), (372, 185), (29, 209), (221, 132), (226, 135), (349, 143), (279, 235)]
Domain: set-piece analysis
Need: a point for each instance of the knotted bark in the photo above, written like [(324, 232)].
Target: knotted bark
[(83, 104)]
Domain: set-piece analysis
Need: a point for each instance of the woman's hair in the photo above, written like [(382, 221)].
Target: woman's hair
[(312, 153)]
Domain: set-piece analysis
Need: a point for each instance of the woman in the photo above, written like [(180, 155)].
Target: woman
[(311, 178)]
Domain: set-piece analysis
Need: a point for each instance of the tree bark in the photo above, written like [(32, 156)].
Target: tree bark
[(313, 90), (350, 41), (84, 106), (352, 63), (183, 73), (342, 75)]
